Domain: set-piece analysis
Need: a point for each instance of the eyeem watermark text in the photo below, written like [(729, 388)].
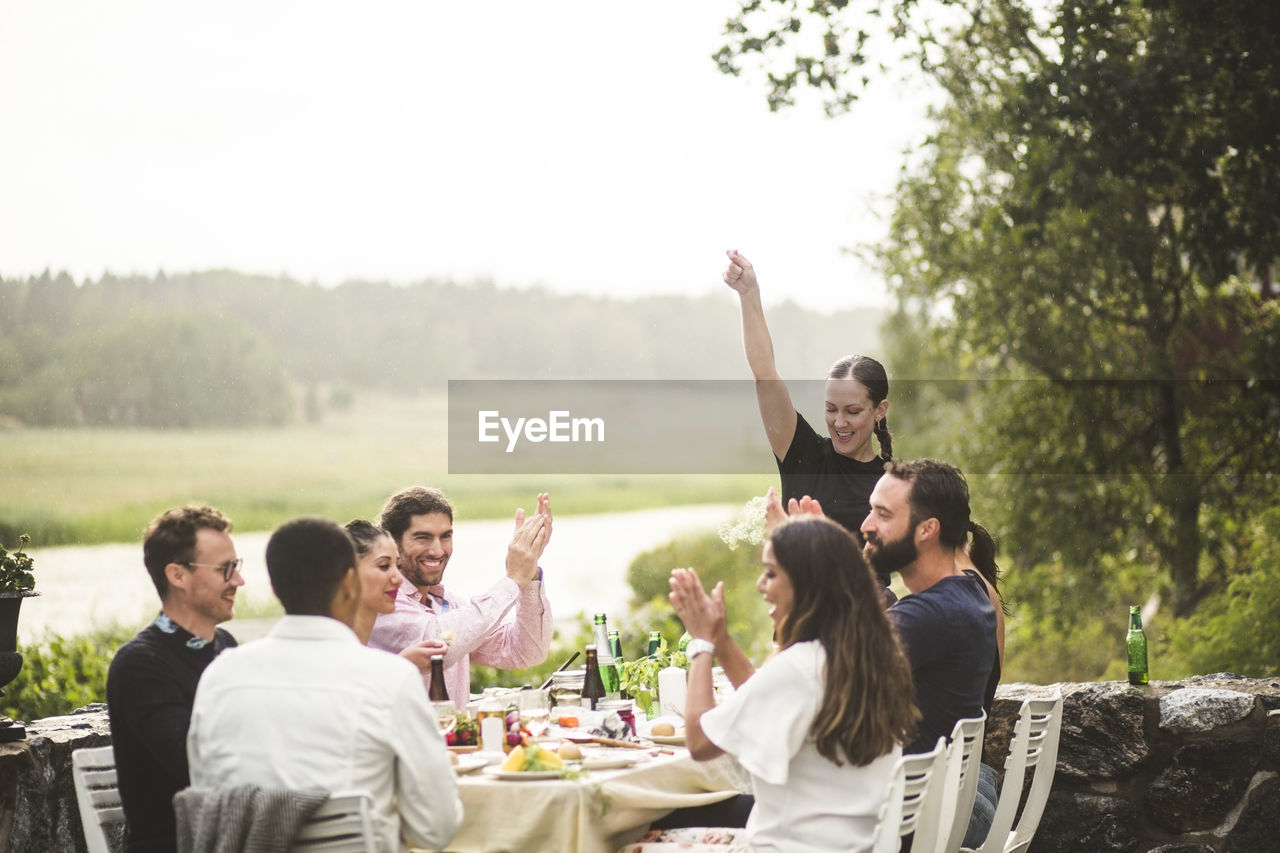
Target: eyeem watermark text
[(559, 426)]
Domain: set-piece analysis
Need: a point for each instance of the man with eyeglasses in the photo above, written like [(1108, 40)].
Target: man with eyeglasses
[(151, 685)]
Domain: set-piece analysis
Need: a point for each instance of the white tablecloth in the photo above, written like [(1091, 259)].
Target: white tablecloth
[(597, 813)]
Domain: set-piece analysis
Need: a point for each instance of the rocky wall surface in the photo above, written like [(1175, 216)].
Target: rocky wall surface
[(1190, 766), (38, 811)]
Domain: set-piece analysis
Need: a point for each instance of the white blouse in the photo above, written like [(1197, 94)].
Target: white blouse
[(803, 801)]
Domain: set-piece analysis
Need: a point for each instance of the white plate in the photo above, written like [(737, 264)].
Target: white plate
[(668, 740), (606, 763), (469, 764), (521, 775)]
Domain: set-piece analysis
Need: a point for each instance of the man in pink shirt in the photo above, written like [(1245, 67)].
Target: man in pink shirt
[(484, 628)]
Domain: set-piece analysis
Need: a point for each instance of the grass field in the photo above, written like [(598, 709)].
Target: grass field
[(94, 485)]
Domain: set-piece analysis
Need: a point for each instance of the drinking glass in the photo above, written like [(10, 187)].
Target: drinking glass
[(446, 715), (535, 711)]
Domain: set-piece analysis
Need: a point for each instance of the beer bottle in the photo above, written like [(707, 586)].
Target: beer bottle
[(437, 692), (1137, 643), (615, 648), (608, 668), (655, 643), (592, 685)]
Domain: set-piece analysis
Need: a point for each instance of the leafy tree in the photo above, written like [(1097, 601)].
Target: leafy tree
[(170, 369), (1089, 225)]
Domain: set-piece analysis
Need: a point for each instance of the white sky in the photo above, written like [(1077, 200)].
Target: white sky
[(586, 146)]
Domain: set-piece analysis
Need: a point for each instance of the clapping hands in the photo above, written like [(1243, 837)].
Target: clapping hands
[(703, 615), (774, 514), (529, 541)]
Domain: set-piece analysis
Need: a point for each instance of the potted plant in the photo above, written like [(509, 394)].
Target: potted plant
[(16, 583)]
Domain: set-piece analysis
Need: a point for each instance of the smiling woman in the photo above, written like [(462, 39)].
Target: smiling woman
[(836, 701), (840, 469)]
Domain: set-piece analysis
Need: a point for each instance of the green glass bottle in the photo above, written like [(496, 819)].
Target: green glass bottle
[(655, 643), (684, 640), (608, 668), (615, 649), (1137, 643)]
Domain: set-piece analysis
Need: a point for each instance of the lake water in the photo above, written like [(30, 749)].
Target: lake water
[(585, 566)]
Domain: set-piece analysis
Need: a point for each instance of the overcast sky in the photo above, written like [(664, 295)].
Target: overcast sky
[(585, 146)]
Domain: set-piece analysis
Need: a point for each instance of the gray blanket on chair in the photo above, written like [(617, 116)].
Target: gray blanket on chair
[(246, 819)]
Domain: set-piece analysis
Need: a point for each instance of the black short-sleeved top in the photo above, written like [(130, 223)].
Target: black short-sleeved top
[(151, 686), (842, 485)]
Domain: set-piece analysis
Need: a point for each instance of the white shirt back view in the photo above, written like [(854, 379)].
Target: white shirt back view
[(308, 706), (804, 803)]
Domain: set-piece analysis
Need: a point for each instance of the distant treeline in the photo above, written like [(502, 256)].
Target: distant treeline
[(222, 348)]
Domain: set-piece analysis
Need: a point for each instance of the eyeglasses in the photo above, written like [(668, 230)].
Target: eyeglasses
[(228, 568)]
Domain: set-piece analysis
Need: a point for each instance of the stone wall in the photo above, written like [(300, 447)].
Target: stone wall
[(1175, 767), (38, 811), (1189, 766)]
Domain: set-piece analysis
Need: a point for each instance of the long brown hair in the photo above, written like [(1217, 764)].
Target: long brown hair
[(868, 701)]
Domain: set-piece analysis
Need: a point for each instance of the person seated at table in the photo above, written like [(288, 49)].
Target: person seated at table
[(380, 581), (821, 724), (482, 629), (309, 707)]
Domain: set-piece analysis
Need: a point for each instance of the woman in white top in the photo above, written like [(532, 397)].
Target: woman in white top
[(820, 725)]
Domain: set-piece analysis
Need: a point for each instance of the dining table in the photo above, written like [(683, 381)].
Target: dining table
[(594, 811)]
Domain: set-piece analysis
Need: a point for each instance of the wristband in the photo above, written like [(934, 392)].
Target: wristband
[(699, 647)]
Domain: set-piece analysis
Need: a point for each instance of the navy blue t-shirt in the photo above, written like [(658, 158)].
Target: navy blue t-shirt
[(949, 633)]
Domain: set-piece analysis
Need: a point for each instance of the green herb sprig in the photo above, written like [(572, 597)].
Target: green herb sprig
[(640, 677)]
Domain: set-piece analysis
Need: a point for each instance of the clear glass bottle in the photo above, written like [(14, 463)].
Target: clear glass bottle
[(491, 719)]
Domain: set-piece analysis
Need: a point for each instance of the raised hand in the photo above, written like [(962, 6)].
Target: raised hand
[(529, 541), (740, 275), (703, 615), (775, 515)]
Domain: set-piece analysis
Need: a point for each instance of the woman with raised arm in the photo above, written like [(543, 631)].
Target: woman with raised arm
[(838, 469), (820, 725)]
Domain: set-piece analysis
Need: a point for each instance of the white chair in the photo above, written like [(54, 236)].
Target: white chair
[(915, 801), (960, 787), (93, 771), (344, 824), (1035, 746)]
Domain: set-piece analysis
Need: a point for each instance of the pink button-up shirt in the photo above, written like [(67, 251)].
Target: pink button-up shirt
[(485, 629)]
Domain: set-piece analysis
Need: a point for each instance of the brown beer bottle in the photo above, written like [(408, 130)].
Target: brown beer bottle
[(592, 685), (437, 692)]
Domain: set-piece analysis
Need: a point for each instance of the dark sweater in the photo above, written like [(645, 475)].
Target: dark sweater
[(150, 689)]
